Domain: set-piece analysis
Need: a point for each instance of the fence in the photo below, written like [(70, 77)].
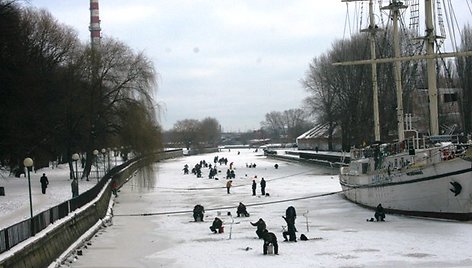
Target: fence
[(15, 234)]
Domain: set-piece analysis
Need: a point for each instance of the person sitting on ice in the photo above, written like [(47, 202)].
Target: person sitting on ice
[(270, 238), (242, 210), (379, 213), (261, 227), (198, 211), (216, 226)]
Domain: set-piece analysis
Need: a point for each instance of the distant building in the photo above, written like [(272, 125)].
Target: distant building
[(317, 137)]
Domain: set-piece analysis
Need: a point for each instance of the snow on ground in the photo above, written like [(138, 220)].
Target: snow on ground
[(15, 206), (164, 239)]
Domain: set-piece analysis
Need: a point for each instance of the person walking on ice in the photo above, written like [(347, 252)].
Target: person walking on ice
[(229, 183)]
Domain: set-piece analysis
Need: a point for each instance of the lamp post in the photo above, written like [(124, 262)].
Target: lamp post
[(95, 153), (75, 158), (115, 154), (28, 162), (104, 161)]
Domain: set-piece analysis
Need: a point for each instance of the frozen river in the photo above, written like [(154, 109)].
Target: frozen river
[(153, 227)]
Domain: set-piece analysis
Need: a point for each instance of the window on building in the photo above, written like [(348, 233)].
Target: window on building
[(450, 97)]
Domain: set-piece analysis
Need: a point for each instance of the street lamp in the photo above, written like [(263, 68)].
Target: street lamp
[(95, 153), (75, 158), (108, 157), (28, 162), (104, 161), (115, 154)]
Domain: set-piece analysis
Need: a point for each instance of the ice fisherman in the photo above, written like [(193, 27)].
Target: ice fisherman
[(254, 186), (261, 227), (379, 213), (198, 212), (270, 238), (290, 216), (216, 226), (242, 210)]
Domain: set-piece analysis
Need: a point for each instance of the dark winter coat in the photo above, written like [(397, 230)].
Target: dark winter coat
[(263, 183), (261, 225), (241, 209), (269, 237), (44, 181), (75, 188), (290, 224), (198, 211), (217, 223), (290, 213), (379, 213)]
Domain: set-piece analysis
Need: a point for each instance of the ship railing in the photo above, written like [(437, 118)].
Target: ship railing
[(378, 150)]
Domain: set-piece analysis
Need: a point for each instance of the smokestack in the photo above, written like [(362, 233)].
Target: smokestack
[(94, 23)]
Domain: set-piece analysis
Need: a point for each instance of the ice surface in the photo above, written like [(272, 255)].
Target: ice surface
[(340, 235)]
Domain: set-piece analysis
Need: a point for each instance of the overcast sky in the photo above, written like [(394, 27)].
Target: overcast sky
[(232, 60)]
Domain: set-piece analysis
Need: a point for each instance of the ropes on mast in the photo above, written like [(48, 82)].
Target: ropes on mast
[(346, 21), (442, 29)]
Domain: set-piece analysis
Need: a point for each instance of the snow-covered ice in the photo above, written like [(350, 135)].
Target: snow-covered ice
[(167, 237), (153, 227)]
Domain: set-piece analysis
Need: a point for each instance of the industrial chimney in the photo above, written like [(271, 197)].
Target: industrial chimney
[(94, 23)]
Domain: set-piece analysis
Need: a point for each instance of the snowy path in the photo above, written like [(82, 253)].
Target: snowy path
[(172, 240), (15, 207)]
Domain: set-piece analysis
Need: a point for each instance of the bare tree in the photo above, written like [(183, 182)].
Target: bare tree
[(274, 124), (286, 126), (60, 96), (210, 130), (119, 80), (187, 132), (464, 71)]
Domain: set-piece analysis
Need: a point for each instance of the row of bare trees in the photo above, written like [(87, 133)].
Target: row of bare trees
[(193, 133), (286, 126), (341, 96), (60, 96)]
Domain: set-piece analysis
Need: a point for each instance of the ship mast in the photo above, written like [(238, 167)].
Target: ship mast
[(373, 30), (395, 7), (430, 57), (431, 68)]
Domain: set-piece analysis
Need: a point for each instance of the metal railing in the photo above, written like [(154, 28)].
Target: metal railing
[(17, 233)]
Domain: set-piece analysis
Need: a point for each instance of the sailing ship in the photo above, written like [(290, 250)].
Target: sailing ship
[(428, 177)]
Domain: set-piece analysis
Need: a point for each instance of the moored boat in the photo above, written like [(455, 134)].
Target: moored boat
[(419, 177), (432, 182)]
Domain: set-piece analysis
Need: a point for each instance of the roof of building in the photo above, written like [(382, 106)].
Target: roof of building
[(319, 131)]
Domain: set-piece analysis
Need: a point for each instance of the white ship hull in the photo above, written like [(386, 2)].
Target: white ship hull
[(440, 190)]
